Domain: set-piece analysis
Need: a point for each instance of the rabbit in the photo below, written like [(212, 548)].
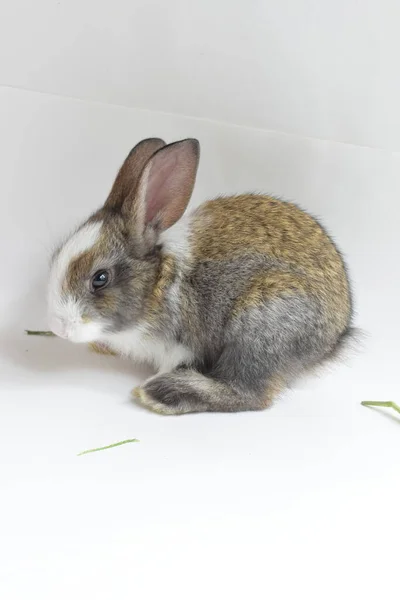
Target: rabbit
[(229, 302)]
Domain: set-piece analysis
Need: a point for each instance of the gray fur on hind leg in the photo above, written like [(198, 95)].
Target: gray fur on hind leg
[(185, 390), (263, 350)]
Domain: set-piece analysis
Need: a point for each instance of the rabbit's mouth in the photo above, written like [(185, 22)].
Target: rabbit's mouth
[(79, 331)]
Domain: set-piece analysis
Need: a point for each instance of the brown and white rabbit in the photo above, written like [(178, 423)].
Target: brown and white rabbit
[(228, 302)]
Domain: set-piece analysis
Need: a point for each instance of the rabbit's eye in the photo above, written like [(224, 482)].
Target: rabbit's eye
[(100, 280)]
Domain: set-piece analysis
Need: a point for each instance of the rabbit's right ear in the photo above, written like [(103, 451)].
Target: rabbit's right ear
[(128, 175)]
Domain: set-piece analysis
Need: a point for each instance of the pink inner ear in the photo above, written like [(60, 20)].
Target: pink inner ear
[(160, 186), (168, 182)]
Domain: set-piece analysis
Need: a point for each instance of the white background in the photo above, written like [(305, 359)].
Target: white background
[(299, 501)]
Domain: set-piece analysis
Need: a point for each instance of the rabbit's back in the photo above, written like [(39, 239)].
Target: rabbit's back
[(301, 256)]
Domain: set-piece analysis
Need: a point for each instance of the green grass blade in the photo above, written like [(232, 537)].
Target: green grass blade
[(45, 333), (382, 404), (107, 447)]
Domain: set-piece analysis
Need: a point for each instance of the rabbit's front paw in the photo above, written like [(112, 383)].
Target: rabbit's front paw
[(100, 348)]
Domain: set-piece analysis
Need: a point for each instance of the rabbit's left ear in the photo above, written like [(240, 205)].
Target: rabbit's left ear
[(128, 176), (164, 187)]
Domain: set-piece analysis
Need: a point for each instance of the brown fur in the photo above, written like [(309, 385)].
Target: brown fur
[(249, 224), (83, 264), (166, 275), (101, 349)]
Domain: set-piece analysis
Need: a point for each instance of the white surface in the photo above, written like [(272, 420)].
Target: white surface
[(319, 68), (300, 501)]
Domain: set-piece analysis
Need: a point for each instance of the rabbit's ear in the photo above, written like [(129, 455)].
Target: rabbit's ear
[(127, 179), (165, 187)]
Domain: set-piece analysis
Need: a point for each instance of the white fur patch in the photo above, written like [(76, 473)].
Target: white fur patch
[(65, 312), (142, 347), (79, 242), (175, 240)]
